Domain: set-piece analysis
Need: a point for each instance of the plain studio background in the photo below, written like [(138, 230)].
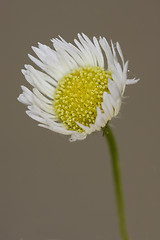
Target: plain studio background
[(51, 188)]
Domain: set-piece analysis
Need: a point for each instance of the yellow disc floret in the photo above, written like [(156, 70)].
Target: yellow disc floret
[(78, 95)]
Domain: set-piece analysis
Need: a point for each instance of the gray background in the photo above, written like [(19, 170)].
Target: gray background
[(51, 188)]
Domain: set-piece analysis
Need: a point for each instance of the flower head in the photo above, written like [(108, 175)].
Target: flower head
[(75, 94)]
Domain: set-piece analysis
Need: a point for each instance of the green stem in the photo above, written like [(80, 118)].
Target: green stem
[(117, 181)]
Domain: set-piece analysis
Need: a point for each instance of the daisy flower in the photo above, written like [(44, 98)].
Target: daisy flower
[(74, 93)]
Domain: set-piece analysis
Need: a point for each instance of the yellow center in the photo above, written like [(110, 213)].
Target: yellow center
[(78, 95)]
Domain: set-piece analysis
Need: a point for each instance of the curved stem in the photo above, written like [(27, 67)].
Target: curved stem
[(117, 181)]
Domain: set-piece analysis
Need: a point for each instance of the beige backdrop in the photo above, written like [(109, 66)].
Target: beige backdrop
[(51, 188)]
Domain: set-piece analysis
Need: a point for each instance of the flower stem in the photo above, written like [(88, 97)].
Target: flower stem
[(117, 181)]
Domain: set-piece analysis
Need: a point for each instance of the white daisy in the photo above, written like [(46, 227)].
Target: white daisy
[(75, 94)]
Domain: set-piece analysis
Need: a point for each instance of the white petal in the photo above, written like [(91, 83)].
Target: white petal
[(77, 136), (87, 60), (115, 96), (37, 79), (107, 104), (23, 99), (104, 44), (99, 122), (114, 90), (120, 52), (26, 96), (106, 112), (95, 51), (39, 112), (50, 70), (36, 118), (100, 57), (132, 81), (85, 128), (57, 129), (42, 97), (113, 50), (74, 52)]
